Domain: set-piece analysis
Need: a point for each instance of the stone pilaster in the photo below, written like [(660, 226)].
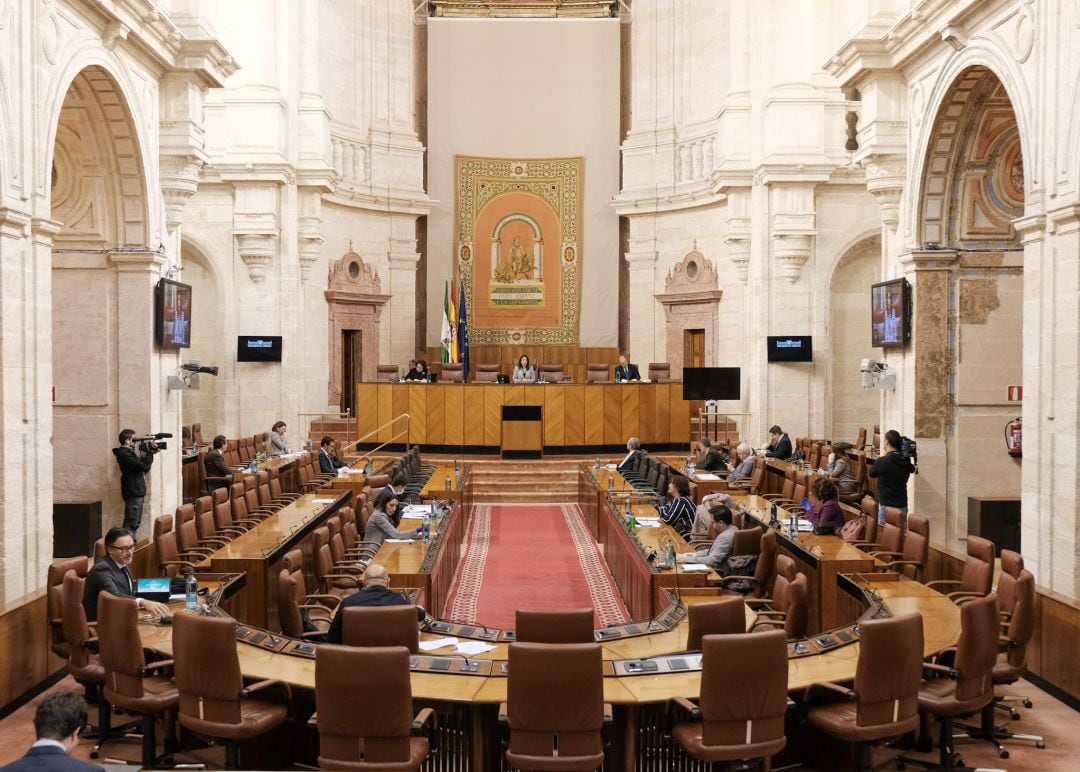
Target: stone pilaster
[(641, 260), (403, 259)]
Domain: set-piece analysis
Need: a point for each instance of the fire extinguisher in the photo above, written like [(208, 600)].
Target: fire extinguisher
[(1014, 435)]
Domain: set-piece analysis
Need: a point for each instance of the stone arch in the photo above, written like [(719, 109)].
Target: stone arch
[(105, 93), (979, 53)]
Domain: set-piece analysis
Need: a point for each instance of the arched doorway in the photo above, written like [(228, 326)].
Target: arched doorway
[(853, 407), (968, 281), (103, 268)]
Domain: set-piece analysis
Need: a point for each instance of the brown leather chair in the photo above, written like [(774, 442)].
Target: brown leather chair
[(213, 699), (726, 616), (376, 734), (966, 686), (1012, 564), (747, 541), (791, 610), (597, 372), (170, 561), (54, 600), (486, 373), (884, 700), (659, 372), (740, 714), (276, 491), (552, 373), (130, 683), (452, 372), (196, 434), (764, 572), (555, 700), (387, 373), (550, 626), (83, 663), (368, 626), (294, 602), (912, 560), (978, 576)]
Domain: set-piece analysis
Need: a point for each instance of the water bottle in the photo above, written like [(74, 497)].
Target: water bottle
[(434, 509), (597, 463), (794, 527), (669, 554), (448, 485), (425, 534), (610, 482), (252, 466), (191, 593), (457, 467)]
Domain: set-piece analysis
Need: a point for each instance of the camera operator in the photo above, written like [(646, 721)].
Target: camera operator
[(133, 469), (892, 471)]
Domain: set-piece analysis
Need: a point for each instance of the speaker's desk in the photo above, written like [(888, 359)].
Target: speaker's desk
[(575, 415)]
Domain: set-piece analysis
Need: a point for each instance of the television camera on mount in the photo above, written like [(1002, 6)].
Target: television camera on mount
[(149, 444)]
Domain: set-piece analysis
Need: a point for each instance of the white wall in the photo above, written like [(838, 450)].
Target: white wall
[(528, 89)]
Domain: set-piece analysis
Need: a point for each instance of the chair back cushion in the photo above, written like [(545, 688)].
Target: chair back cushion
[(745, 704), (73, 623), (978, 573), (555, 698), (121, 648), (977, 649), (562, 626), (1012, 563), (765, 572), (797, 616), (722, 617), (380, 626), (207, 668), (889, 671), (369, 730), (1022, 622)]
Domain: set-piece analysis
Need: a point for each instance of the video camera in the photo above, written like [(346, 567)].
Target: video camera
[(908, 449), (150, 443)]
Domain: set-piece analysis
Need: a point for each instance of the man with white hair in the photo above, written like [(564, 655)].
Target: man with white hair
[(745, 466)]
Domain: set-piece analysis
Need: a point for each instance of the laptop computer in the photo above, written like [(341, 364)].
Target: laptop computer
[(153, 588)]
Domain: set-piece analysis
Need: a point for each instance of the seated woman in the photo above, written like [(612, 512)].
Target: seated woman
[(418, 372), (679, 512), (278, 447), (382, 524), (826, 512), (840, 469), (523, 371)]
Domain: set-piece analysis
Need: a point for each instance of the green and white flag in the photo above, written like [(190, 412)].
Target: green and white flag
[(447, 335)]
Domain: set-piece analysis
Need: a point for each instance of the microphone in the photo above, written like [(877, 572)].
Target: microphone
[(678, 592)]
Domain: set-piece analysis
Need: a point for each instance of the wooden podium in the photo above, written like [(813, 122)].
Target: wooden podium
[(522, 431)]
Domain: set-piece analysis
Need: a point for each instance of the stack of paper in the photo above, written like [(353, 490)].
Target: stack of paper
[(693, 568), (709, 476), (438, 643), (649, 522), (472, 647)]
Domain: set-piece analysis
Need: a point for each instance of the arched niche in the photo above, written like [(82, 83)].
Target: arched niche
[(691, 301), (354, 302)]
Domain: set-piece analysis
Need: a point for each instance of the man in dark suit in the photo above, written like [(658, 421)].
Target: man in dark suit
[(328, 462), (633, 448), (376, 592), (215, 465), (113, 573), (57, 722), (624, 371), (779, 444)]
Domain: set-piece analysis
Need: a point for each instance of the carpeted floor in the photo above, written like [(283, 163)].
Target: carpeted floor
[(531, 556)]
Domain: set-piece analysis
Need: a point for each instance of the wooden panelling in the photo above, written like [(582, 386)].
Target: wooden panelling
[(678, 415), (367, 408), (573, 358), (400, 406), (454, 407), (631, 426), (24, 645), (594, 415), (435, 410), (417, 412), (665, 432), (574, 411), (554, 415), (474, 415), (613, 433), (387, 397), (494, 397), (532, 395)]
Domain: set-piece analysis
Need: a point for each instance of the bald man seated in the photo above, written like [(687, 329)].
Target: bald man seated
[(376, 592)]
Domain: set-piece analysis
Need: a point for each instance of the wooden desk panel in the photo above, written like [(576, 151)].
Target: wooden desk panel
[(574, 414), (522, 435)]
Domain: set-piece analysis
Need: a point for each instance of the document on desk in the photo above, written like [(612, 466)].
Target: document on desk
[(694, 568), (438, 643), (400, 541), (323, 501), (706, 476), (472, 648), (416, 510), (649, 522)]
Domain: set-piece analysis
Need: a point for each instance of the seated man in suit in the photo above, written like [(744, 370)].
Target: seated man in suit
[(711, 458), (626, 372), (328, 462), (376, 592), (113, 573), (214, 463), (741, 469), (633, 448), (779, 444), (57, 722)]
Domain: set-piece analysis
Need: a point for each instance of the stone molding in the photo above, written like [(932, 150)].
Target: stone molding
[(179, 182), (257, 252), (885, 175)]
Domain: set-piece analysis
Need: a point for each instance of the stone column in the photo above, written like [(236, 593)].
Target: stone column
[(142, 369), (641, 260), (930, 274), (400, 344)]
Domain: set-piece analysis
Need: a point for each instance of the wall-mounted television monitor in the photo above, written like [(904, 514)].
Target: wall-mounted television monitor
[(890, 314), (711, 383), (172, 314), (791, 348), (258, 348)]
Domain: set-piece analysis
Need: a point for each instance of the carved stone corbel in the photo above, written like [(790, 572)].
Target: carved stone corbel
[(257, 252), (885, 176), (179, 181)]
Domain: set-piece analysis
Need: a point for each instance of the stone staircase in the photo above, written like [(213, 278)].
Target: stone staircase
[(520, 482)]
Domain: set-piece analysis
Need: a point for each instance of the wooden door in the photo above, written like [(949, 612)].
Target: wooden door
[(693, 348), (352, 359)]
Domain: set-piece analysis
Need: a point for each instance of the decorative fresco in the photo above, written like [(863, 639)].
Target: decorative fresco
[(517, 238)]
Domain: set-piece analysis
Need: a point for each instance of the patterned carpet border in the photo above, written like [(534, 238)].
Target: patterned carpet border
[(605, 597), (461, 604)]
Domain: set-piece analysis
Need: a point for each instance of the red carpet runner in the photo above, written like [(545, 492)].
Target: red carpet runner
[(530, 556)]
